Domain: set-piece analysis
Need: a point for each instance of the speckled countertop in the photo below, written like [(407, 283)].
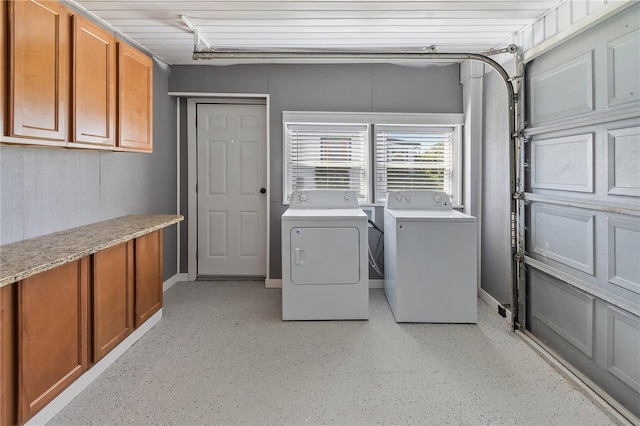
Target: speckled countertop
[(23, 259)]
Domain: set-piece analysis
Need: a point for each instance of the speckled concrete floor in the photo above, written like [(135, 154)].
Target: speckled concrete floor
[(221, 355)]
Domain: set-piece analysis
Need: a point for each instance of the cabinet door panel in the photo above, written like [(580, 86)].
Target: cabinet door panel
[(135, 81), (52, 334), (148, 282), (3, 66), (8, 377), (39, 69), (112, 298), (94, 83)]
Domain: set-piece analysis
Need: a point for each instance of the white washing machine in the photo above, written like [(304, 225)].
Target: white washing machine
[(430, 259), (325, 274)]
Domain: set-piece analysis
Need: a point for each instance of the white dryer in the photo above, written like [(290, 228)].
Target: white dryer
[(325, 274), (430, 259)]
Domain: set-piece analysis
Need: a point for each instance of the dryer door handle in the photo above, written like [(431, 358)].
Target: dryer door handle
[(299, 257)]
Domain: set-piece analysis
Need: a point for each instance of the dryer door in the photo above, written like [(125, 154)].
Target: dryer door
[(325, 256)]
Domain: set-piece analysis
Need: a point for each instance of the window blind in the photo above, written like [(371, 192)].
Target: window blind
[(326, 156), (413, 157)]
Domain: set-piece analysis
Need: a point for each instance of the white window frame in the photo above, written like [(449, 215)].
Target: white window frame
[(371, 119)]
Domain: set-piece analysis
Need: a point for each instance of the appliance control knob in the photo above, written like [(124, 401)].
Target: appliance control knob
[(399, 196), (437, 198), (347, 197), (303, 197), (407, 198)]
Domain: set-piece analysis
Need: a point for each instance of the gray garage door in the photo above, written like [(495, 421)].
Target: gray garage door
[(583, 203)]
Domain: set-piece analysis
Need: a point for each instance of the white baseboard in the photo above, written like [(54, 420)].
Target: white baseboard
[(174, 279), (493, 303), (376, 283), (61, 401), (273, 283), (277, 283)]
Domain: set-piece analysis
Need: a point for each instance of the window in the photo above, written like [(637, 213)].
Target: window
[(413, 157), (372, 153), (327, 156)]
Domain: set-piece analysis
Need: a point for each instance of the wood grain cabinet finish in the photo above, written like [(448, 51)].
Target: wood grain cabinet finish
[(135, 99), (39, 34), (94, 84), (148, 276), (112, 298), (52, 334), (3, 65), (8, 363)]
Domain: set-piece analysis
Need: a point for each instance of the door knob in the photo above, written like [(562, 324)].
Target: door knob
[(263, 190)]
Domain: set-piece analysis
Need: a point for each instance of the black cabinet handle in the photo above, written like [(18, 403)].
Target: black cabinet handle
[(263, 190)]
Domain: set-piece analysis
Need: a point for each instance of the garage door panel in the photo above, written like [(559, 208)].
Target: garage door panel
[(563, 91), (563, 309), (623, 69), (563, 163), (623, 346), (565, 235), (624, 253), (623, 159)]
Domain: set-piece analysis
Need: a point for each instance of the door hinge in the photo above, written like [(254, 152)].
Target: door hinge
[(196, 255), (196, 188)]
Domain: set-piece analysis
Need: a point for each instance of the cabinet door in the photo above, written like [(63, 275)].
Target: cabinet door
[(112, 298), (135, 102), (8, 377), (94, 84), (52, 334), (3, 67), (148, 283), (39, 70)]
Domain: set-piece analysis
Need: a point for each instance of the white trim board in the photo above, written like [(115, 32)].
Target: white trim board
[(174, 279), (192, 226), (494, 304), (277, 283)]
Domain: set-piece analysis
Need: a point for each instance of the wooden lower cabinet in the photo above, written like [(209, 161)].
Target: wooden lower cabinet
[(8, 377), (52, 334), (56, 324), (148, 276), (112, 298)]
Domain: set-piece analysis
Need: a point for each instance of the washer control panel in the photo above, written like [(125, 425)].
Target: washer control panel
[(324, 199), (418, 200)]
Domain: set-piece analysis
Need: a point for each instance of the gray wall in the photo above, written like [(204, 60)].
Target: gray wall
[(45, 190), (496, 250), (344, 87)]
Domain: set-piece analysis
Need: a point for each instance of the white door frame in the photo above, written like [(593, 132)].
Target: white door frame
[(192, 173)]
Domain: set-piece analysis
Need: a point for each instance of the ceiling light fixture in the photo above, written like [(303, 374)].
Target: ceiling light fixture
[(197, 34)]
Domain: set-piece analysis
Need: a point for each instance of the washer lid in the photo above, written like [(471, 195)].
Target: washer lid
[(324, 214), (429, 215)]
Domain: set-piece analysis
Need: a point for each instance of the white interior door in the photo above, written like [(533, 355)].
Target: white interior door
[(232, 226)]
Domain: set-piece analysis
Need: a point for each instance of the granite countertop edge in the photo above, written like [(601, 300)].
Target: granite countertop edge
[(133, 226)]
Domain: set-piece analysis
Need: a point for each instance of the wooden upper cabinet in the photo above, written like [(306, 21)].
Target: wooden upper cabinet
[(94, 84), (39, 70), (135, 99)]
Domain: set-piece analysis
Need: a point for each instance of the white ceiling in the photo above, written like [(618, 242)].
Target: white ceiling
[(453, 25)]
